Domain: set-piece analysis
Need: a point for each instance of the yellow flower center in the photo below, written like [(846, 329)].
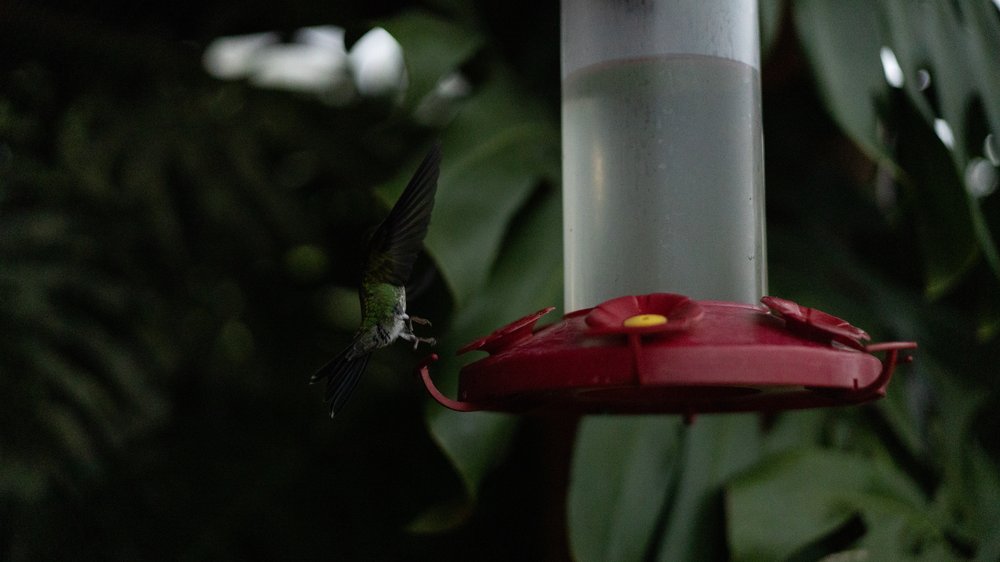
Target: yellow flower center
[(644, 321)]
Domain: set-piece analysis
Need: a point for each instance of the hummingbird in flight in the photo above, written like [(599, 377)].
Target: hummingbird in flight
[(391, 251)]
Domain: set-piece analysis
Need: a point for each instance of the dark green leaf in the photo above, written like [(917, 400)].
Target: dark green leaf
[(528, 276), (954, 44), (789, 501), (623, 469), (662, 488), (714, 450), (771, 15), (938, 200), (494, 155), (846, 65)]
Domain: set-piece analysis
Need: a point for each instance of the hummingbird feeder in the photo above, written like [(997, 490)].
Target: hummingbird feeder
[(664, 189)]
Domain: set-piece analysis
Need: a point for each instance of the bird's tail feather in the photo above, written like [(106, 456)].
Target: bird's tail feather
[(342, 376)]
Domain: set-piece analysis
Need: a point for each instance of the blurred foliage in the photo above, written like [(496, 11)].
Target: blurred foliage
[(947, 53), (177, 254)]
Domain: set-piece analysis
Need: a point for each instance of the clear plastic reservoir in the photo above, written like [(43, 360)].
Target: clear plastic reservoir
[(662, 150)]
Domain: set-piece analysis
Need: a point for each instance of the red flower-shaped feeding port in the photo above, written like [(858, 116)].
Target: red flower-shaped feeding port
[(508, 335), (816, 324), (644, 314)]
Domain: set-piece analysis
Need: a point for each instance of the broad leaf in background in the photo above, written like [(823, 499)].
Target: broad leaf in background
[(947, 55), (936, 196), (624, 469), (786, 504), (494, 154), (771, 20), (982, 480), (955, 45), (927, 422), (714, 450), (527, 276), (662, 485), (846, 65), (500, 147)]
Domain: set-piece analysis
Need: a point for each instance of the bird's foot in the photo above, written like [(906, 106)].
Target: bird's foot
[(408, 335), (417, 341)]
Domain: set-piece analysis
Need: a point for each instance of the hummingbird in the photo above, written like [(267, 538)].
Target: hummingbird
[(390, 254)]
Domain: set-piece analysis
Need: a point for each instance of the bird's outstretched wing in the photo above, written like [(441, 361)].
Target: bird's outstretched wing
[(342, 375), (397, 241)]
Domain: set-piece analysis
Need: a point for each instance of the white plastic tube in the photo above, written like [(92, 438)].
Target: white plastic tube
[(662, 150)]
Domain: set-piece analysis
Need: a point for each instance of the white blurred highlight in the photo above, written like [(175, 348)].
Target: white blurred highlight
[(990, 147), (299, 67), (229, 58), (943, 131), (980, 177), (316, 62), (377, 62), (439, 105), (890, 66)]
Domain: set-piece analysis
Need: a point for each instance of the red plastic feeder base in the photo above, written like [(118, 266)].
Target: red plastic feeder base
[(665, 353)]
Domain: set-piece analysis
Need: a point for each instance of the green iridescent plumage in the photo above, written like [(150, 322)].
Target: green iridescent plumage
[(392, 250)]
